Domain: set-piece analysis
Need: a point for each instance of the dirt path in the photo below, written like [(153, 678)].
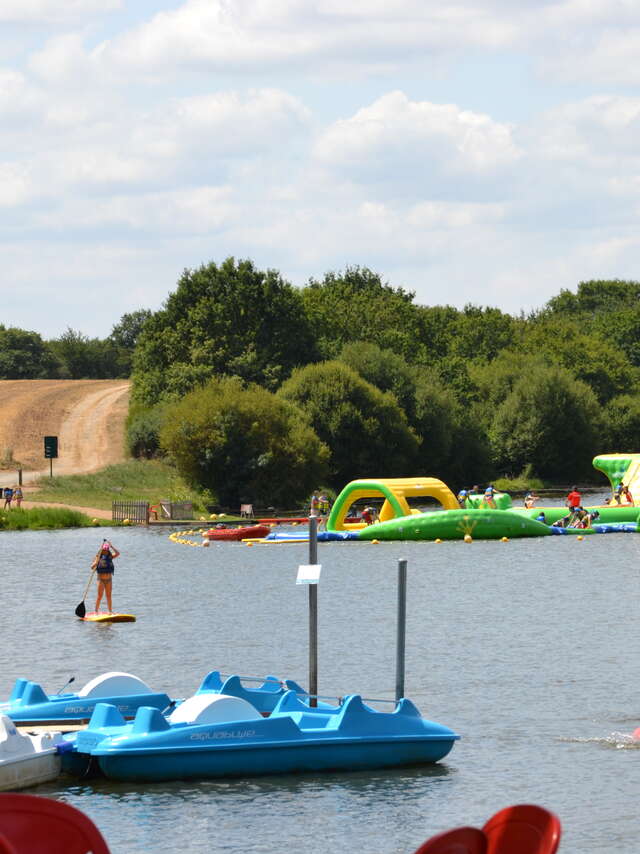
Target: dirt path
[(87, 416)]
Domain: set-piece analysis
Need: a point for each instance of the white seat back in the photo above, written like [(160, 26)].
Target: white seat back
[(114, 684), (214, 709)]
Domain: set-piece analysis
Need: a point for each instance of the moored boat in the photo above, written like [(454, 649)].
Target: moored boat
[(29, 705), (246, 533), (26, 760), (218, 736)]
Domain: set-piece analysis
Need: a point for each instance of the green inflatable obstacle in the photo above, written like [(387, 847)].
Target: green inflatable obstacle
[(455, 525)]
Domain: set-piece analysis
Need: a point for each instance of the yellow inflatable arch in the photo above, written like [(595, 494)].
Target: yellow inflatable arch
[(395, 492)]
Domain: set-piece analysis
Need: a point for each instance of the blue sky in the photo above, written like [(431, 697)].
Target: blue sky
[(480, 151)]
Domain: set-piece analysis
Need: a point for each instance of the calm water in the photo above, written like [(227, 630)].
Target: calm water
[(528, 649)]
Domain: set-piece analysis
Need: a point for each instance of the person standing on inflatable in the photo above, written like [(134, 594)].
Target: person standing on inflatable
[(573, 501), (103, 562)]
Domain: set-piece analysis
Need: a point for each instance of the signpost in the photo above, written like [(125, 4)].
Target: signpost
[(401, 628), (310, 574), (50, 451)]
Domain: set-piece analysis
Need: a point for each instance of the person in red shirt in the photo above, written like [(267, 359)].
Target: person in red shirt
[(573, 501)]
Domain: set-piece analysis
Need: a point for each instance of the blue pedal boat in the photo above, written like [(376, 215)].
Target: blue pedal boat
[(29, 705), (216, 735)]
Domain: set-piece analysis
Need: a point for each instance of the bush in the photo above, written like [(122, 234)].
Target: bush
[(244, 443), (365, 428)]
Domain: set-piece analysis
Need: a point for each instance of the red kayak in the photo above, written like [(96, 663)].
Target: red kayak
[(248, 533)]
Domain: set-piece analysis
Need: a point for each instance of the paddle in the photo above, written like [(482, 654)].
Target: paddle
[(81, 610)]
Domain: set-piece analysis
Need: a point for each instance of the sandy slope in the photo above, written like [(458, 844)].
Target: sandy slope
[(87, 416)]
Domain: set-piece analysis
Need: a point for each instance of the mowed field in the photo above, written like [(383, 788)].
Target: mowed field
[(87, 416)]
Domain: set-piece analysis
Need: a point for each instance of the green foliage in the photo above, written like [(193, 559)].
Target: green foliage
[(356, 306), (549, 420), (25, 356), (41, 518), (622, 424), (244, 443), (596, 297), (592, 359), (384, 369), (520, 483), (143, 431), (365, 428), (84, 358), (124, 337), (231, 319)]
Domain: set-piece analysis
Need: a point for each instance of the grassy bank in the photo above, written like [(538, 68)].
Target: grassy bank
[(42, 518), (137, 480)]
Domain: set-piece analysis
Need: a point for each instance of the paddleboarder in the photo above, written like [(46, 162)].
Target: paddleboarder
[(103, 563)]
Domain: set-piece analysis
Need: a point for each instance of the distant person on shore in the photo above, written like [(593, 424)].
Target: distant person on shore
[(530, 499), (462, 498), (103, 563), (617, 494), (8, 495), (17, 495)]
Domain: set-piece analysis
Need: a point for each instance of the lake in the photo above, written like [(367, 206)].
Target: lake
[(528, 649)]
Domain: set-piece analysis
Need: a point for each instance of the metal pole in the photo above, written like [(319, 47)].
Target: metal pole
[(313, 614), (402, 627), (19, 477), (50, 466)]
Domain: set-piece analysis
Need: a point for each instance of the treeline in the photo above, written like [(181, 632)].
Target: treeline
[(260, 391), (27, 356)]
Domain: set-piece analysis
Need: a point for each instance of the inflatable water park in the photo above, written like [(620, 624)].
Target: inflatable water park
[(486, 515)]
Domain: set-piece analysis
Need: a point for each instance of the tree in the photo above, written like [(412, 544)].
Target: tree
[(124, 337), (85, 358), (595, 297), (365, 429), (550, 421), (25, 356), (384, 369), (231, 319), (244, 443), (590, 357), (622, 424), (355, 305)]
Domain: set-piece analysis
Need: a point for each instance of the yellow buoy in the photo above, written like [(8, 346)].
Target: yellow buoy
[(504, 539), (126, 521), (437, 541), (579, 537), (213, 516), (374, 542), (249, 543), (205, 544), (468, 538), (95, 522)]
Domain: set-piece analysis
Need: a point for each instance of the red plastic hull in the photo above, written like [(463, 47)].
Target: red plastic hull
[(251, 532)]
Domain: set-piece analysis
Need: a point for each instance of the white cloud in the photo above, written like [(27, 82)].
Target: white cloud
[(53, 11), (418, 147)]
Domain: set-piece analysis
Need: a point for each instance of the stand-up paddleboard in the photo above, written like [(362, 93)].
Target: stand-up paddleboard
[(108, 618)]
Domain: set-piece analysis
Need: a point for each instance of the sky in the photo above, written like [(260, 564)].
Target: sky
[(483, 152)]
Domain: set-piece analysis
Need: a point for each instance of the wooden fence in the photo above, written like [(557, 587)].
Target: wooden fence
[(137, 512)]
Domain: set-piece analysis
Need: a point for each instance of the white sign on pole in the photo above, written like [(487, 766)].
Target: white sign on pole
[(309, 573)]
